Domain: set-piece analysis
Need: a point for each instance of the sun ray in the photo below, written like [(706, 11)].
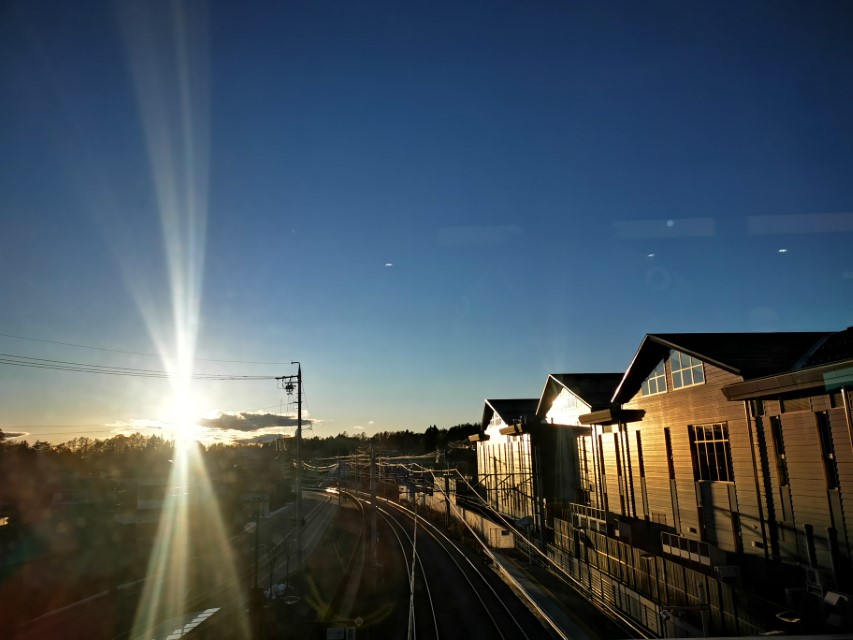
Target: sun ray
[(191, 563)]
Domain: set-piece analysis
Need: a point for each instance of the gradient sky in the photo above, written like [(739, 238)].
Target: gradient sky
[(426, 203)]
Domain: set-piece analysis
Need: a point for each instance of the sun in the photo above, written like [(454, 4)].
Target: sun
[(182, 417)]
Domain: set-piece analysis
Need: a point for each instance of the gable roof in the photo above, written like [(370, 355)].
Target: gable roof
[(834, 348), (595, 389), (749, 355), (827, 366), (510, 411)]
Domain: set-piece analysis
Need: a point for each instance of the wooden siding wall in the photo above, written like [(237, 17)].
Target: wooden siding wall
[(558, 453), (588, 477), (808, 484), (753, 514), (612, 479), (844, 457), (644, 586), (506, 474), (677, 409), (657, 475), (778, 512)]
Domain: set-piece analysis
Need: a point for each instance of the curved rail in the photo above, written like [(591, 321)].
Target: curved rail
[(410, 570), (617, 616), (446, 542), (466, 568)]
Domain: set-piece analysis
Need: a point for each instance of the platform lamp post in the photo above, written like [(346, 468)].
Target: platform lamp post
[(288, 382)]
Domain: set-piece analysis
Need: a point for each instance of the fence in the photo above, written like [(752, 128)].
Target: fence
[(664, 596)]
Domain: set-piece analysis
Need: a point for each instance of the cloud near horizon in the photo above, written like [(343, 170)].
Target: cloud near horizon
[(251, 421), (262, 438)]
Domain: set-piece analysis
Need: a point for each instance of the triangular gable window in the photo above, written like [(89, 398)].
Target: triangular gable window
[(566, 408), (656, 382), (686, 370)]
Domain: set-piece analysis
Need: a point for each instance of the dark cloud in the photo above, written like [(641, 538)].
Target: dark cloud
[(248, 421), (261, 439)]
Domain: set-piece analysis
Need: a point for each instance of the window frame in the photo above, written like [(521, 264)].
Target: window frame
[(711, 453), (658, 377), (691, 366), (779, 450), (827, 450)]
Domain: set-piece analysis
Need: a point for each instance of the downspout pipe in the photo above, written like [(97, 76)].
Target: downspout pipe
[(845, 398)]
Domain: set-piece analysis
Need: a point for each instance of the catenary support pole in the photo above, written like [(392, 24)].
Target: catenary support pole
[(299, 516)]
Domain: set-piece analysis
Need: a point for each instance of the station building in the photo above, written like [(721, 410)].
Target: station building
[(706, 494)]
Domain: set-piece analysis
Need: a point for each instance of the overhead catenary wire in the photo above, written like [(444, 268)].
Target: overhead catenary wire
[(131, 353), (80, 367)]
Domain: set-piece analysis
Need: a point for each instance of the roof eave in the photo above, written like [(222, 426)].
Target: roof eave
[(827, 377), (625, 391), (488, 412), (539, 407), (611, 416)]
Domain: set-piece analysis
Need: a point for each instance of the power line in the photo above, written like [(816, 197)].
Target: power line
[(79, 367), (132, 353)]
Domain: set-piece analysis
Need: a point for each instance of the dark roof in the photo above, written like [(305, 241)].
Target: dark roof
[(749, 355), (595, 389), (834, 348), (510, 411), (828, 366)]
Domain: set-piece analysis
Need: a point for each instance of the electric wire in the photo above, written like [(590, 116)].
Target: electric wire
[(79, 367), (132, 353)]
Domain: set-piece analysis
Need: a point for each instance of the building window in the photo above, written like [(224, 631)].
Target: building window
[(779, 446), (827, 449), (712, 459), (656, 382), (567, 400), (686, 370), (640, 455), (670, 460)]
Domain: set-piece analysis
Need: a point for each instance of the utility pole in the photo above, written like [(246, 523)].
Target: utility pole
[(288, 387), (373, 533), (299, 516), (446, 490), (254, 595), (257, 542), (410, 634)]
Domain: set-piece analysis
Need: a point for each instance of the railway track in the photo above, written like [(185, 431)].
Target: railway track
[(447, 590)]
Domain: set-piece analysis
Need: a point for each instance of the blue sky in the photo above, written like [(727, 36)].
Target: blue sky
[(547, 182)]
